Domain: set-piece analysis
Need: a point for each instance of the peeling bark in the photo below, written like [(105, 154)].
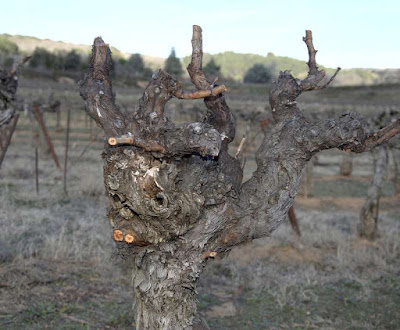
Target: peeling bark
[(8, 90), (369, 214), (175, 192), (8, 115)]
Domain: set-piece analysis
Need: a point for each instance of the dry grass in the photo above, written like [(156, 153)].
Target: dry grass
[(275, 285), (49, 224)]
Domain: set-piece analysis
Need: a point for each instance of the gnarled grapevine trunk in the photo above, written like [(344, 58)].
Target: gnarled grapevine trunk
[(164, 288), (8, 115), (176, 195)]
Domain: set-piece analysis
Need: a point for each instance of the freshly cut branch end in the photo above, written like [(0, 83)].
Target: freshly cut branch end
[(208, 254), (201, 94), (129, 238), (113, 141), (137, 142), (118, 235)]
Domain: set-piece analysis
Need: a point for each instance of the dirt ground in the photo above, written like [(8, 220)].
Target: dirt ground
[(58, 269)]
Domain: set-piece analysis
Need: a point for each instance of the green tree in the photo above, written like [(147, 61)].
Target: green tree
[(51, 61), (72, 61), (121, 61), (135, 63), (38, 57), (57, 61), (258, 74), (212, 69), (173, 65), (147, 73), (7, 47), (42, 58), (136, 67)]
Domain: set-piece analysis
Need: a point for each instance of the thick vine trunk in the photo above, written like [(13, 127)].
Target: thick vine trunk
[(8, 115), (164, 288), (176, 198), (369, 214)]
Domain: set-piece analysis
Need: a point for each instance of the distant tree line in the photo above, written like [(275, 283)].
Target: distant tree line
[(257, 74), (45, 60), (212, 70), (7, 50), (128, 70)]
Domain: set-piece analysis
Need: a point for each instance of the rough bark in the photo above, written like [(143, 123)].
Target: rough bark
[(8, 90), (8, 116), (38, 115), (369, 214), (176, 198)]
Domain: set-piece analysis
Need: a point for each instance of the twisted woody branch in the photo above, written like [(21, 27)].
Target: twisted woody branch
[(8, 115), (176, 195), (8, 90)]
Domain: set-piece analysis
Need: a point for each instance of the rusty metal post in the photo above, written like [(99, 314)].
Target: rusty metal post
[(293, 221), (39, 118)]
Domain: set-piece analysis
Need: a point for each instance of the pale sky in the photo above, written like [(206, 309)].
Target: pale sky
[(358, 33)]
